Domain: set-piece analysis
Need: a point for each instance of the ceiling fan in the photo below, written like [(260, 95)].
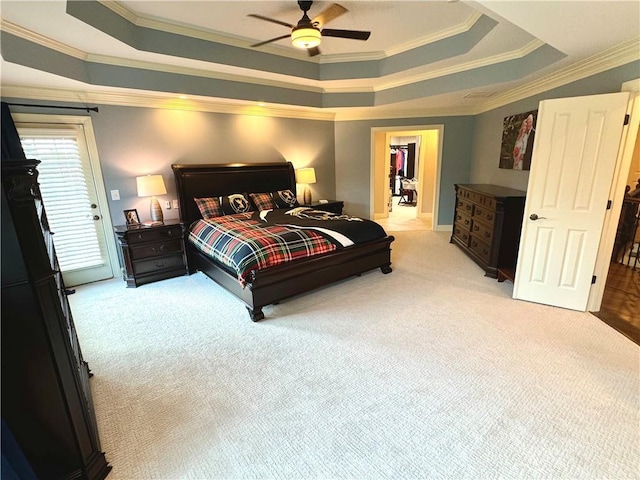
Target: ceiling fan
[(307, 33)]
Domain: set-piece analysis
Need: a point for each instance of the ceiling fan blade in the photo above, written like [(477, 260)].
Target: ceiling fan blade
[(313, 51), (272, 20), (352, 34), (271, 40), (328, 14)]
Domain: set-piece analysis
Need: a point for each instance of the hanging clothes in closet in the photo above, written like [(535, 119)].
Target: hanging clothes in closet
[(400, 158)]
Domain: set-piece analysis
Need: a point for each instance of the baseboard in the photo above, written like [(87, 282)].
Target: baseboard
[(443, 228)]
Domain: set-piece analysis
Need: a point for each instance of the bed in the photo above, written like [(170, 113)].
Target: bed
[(268, 285)]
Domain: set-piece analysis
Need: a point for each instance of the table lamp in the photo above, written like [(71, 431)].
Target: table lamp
[(150, 186), (306, 176)]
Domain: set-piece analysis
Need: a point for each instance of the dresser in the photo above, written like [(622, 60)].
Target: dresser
[(152, 253), (487, 223), (46, 396)]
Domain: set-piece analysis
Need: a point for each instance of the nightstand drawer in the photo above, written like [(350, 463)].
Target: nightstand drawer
[(154, 234), (155, 249), (158, 264)]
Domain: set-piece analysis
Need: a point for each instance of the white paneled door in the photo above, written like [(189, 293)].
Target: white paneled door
[(574, 158), (70, 197)]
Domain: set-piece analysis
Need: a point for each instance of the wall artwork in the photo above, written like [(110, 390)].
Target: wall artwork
[(517, 140)]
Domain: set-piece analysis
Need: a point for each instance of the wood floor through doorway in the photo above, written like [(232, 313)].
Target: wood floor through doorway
[(620, 307)]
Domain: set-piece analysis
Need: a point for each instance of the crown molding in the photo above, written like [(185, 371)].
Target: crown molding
[(622, 54), (380, 113), (21, 32), (463, 67), (243, 42), (170, 102)]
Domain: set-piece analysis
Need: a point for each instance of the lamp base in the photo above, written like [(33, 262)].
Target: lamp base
[(156, 212), (306, 197)]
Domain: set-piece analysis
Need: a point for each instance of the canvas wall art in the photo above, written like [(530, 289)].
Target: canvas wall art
[(518, 133)]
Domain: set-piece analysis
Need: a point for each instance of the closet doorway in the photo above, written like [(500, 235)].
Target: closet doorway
[(405, 181)]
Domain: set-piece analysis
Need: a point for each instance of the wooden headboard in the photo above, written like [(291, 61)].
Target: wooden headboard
[(215, 180)]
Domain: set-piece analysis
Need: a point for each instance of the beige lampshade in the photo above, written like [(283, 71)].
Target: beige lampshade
[(150, 185), (306, 175)]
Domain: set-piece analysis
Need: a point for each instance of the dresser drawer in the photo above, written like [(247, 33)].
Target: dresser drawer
[(480, 248), (484, 214), (464, 206), (481, 231), (155, 249), (158, 264), (154, 234), (463, 220), (483, 200), (461, 233)]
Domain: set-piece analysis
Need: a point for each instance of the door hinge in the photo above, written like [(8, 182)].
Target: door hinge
[(626, 119), (593, 279), (608, 204)]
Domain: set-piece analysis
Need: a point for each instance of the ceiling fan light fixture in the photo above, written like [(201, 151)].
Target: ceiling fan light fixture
[(305, 37)]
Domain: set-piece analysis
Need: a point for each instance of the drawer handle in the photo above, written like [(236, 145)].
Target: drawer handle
[(489, 217), (140, 237), (487, 234), (160, 264), (170, 233), (156, 250)]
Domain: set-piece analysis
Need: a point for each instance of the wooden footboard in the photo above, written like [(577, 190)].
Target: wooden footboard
[(273, 284), (276, 283)]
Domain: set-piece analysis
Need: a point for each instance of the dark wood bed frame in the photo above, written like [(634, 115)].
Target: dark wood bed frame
[(270, 285)]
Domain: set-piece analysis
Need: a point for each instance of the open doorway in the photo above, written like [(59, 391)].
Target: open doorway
[(621, 297), (405, 183)]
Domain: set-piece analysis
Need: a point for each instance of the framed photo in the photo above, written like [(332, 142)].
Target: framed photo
[(518, 132), (131, 217)]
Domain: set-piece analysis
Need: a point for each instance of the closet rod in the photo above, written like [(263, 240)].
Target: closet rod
[(404, 147), (88, 109)]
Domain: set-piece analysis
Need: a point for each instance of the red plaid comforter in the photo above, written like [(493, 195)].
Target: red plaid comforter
[(243, 244)]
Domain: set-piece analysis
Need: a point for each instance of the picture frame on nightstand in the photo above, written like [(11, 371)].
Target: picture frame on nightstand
[(131, 217)]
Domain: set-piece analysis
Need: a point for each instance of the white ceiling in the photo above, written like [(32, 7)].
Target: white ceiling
[(581, 31)]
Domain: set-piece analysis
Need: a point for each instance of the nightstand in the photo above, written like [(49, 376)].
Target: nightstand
[(333, 206), (152, 253)]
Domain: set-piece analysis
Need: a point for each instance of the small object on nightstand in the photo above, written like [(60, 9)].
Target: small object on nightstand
[(333, 206), (152, 253)]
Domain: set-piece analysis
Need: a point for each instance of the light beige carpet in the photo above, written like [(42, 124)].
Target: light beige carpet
[(432, 371)]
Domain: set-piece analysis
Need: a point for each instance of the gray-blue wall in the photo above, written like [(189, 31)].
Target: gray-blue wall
[(353, 159), (134, 141), (487, 135)]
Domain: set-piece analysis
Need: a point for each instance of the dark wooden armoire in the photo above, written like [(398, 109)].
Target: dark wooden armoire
[(46, 398)]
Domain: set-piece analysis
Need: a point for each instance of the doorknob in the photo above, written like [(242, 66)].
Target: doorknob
[(535, 217)]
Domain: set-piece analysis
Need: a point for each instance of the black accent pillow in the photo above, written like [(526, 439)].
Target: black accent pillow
[(236, 203), (285, 199)]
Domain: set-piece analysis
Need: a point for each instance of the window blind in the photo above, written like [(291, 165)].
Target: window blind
[(66, 197)]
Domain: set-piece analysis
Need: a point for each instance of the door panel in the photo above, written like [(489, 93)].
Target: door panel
[(572, 168), (69, 192)]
